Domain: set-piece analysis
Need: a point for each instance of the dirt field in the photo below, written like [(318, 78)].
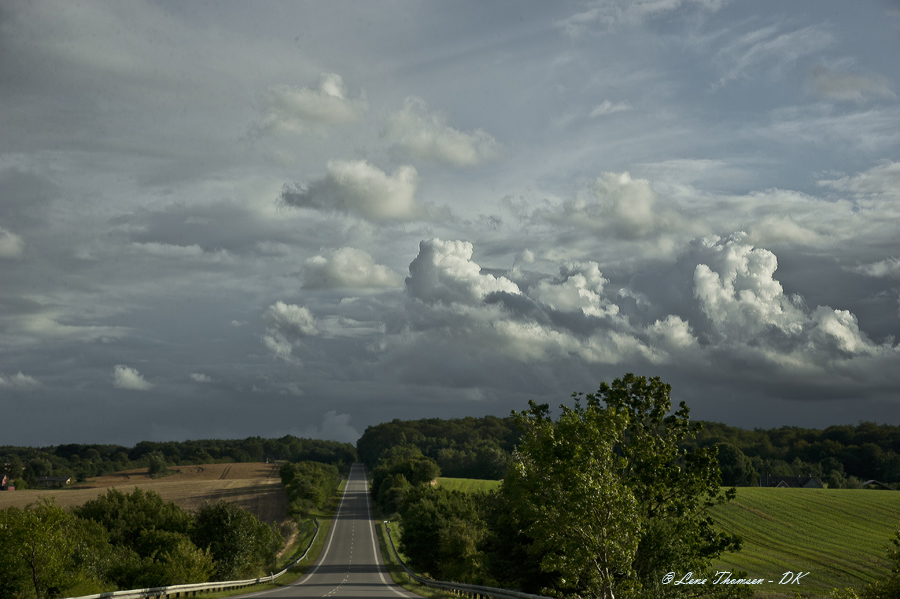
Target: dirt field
[(254, 486)]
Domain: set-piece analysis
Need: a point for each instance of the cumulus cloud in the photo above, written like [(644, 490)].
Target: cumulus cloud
[(358, 188), (290, 109), (125, 377), (348, 267), (443, 271), (199, 377), (11, 245), (334, 427), (425, 135), (848, 86), (579, 288), (288, 325), (737, 291), (19, 381), (622, 207)]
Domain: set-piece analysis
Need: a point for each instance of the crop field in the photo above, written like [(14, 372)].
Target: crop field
[(839, 536), (468, 485), (254, 486)]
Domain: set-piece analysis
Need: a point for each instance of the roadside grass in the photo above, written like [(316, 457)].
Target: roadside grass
[(468, 485), (839, 536)]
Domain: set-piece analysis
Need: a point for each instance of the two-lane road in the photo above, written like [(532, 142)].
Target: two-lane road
[(350, 564)]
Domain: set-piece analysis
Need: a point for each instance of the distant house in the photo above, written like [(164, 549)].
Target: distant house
[(4, 483), (875, 484), (790, 482), (53, 481)]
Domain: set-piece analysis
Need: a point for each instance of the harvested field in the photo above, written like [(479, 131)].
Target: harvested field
[(254, 486)]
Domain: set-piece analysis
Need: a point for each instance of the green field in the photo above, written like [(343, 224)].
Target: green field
[(468, 485), (839, 536)]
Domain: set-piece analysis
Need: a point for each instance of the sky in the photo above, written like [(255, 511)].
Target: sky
[(230, 219)]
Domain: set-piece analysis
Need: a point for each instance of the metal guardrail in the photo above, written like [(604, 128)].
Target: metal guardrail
[(466, 590), (185, 590)]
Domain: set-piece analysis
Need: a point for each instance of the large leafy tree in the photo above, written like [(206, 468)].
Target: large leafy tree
[(566, 486), (608, 496), (241, 545), (48, 552)]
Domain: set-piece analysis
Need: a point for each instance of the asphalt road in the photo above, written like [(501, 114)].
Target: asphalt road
[(350, 564)]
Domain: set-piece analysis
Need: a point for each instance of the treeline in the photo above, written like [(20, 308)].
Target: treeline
[(843, 456), (125, 541), (462, 448), (82, 461)]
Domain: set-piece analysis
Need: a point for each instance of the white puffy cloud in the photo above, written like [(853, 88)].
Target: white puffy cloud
[(348, 267), (11, 245), (291, 109), (125, 377), (19, 381), (425, 135), (288, 325), (443, 271), (620, 206), (358, 188), (199, 377), (580, 288), (737, 291), (848, 86)]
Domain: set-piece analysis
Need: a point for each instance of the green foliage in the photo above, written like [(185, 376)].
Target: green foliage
[(157, 466), (566, 486), (43, 552), (736, 468), (399, 469), (442, 531), (127, 516), (609, 497), (309, 485), (241, 545)]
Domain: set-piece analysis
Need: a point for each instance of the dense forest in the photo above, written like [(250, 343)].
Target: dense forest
[(844, 456), (82, 461)]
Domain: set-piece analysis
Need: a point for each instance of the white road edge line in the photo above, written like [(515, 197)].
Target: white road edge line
[(375, 549)]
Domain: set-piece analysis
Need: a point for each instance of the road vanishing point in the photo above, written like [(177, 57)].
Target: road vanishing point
[(350, 564)]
